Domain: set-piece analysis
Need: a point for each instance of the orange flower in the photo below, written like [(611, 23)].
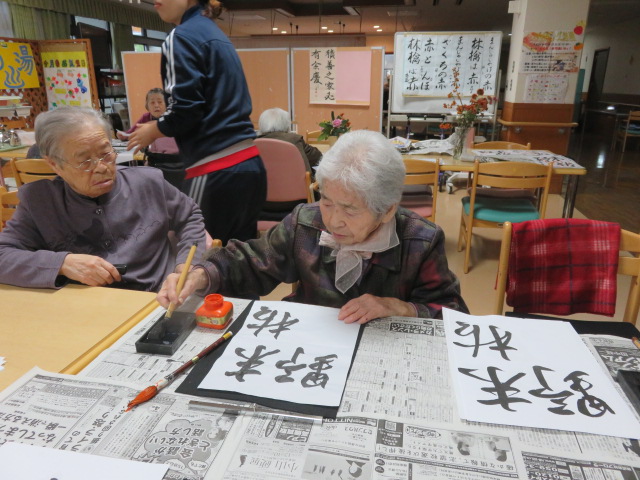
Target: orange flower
[(467, 112)]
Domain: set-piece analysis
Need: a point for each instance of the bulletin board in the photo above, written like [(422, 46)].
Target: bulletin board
[(422, 76), (141, 74), (267, 74), (363, 115), (80, 47)]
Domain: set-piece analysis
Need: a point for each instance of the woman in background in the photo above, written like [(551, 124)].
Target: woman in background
[(208, 108)]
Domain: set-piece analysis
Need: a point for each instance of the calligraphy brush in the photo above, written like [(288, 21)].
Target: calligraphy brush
[(181, 280), (150, 392)]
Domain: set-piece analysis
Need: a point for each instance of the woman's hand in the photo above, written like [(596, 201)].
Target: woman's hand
[(197, 279), (143, 136), (89, 269), (367, 307)]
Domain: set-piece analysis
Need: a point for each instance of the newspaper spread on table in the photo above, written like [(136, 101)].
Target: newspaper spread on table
[(397, 421), (541, 157)]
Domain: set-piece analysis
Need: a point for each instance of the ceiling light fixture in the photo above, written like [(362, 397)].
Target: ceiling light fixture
[(351, 11), (323, 28), (376, 26), (284, 32), (379, 30), (330, 31)]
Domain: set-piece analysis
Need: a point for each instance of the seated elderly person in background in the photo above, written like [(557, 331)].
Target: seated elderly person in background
[(356, 249), (274, 123), (94, 215)]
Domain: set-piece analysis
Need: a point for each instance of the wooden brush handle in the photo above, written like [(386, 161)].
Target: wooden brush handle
[(182, 279)]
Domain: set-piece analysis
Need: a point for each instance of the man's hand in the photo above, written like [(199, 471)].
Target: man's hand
[(143, 136), (89, 269), (367, 307), (197, 279)]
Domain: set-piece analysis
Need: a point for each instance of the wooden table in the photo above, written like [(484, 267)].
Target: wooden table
[(63, 330), (450, 164)]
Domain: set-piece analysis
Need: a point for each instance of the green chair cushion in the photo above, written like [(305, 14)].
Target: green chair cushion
[(502, 210)]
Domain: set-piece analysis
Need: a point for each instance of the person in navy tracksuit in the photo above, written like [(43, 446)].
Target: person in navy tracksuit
[(208, 108)]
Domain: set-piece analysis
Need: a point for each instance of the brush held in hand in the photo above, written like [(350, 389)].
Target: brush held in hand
[(182, 279)]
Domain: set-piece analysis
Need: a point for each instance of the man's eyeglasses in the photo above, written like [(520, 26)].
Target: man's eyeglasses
[(90, 164)]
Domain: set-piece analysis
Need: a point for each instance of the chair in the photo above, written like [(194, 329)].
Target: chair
[(8, 203), (502, 146), (627, 265), (492, 212), (288, 180), (312, 137), (630, 128), (31, 169), (421, 187)]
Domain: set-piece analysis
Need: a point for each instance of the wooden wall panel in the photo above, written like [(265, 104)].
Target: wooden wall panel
[(267, 74), (141, 74)]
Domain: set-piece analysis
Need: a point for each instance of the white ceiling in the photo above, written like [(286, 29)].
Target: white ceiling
[(306, 17)]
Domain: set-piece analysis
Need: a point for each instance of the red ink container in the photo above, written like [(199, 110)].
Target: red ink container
[(215, 312)]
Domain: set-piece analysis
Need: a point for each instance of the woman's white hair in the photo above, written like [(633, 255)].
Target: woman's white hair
[(274, 120), (54, 126), (367, 163)]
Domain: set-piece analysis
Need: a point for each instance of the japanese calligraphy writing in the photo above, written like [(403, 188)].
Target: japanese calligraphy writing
[(322, 80), (284, 350), (429, 58)]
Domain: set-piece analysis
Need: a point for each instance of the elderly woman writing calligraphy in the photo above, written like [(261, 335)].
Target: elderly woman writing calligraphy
[(356, 249)]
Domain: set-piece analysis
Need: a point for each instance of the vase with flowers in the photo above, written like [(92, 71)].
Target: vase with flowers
[(332, 129), (466, 113)]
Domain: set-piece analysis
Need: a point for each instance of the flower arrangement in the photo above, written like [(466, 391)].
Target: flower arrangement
[(467, 113), (444, 128), (334, 127)]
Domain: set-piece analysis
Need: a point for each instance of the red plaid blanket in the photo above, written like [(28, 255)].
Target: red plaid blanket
[(563, 266)]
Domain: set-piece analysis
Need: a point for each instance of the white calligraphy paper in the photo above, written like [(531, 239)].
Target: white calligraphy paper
[(27, 462), (287, 351), (430, 57), (532, 373), (322, 81)]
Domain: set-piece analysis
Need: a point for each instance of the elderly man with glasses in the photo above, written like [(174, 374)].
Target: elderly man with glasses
[(95, 223)]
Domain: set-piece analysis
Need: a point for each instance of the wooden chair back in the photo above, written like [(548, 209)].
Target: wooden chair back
[(625, 131), (31, 169), (507, 175), (628, 264), (8, 203), (424, 174), (502, 146), (311, 136)]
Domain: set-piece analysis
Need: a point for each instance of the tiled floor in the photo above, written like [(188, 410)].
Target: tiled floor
[(610, 182)]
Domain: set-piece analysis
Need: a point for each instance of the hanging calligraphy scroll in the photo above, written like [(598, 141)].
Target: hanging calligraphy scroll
[(339, 76), (424, 63)]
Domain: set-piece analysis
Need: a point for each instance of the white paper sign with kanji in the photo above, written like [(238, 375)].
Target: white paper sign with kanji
[(287, 351), (532, 373)]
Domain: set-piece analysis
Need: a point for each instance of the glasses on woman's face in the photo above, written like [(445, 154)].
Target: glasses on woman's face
[(90, 164)]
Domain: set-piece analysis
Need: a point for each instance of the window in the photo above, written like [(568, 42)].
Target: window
[(147, 40)]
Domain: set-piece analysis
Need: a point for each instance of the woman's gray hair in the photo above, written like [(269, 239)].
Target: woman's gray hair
[(54, 126), (367, 163), (274, 120)]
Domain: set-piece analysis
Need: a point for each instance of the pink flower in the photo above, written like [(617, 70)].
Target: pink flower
[(337, 122)]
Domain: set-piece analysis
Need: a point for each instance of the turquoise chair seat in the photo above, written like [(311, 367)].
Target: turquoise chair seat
[(502, 210)]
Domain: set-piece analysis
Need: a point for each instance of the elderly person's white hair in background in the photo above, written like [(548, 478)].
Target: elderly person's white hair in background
[(54, 126), (367, 163), (274, 120)]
